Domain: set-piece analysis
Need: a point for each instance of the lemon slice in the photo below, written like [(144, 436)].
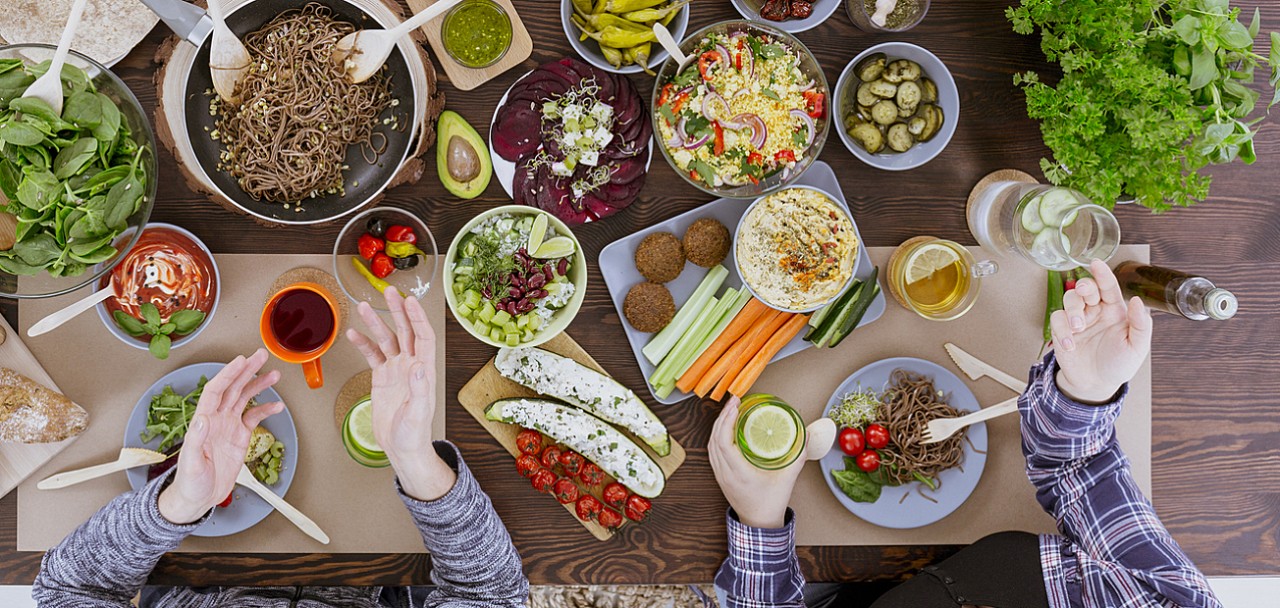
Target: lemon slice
[(929, 259), (556, 247), (537, 233), (360, 428), (770, 431)]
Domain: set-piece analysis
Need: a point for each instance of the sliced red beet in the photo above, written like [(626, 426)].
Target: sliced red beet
[(626, 171), (517, 133)]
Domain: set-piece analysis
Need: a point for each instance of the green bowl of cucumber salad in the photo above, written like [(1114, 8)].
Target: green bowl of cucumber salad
[(515, 276)]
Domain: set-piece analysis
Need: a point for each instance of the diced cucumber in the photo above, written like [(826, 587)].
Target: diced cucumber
[(501, 317), (465, 311), (1055, 205), (506, 225), (526, 336), (471, 298), (487, 311), (554, 288), (510, 327), (464, 271), (1031, 216), (534, 322), (467, 246), (513, 339), (496, 334), (481, 327)]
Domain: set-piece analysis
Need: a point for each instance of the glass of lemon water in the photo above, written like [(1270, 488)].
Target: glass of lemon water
[(936, 278), (357, 435), (770, 433)]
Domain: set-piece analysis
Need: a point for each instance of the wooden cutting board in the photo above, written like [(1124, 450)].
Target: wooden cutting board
[(465, 78), (488, 386), (19, 460)]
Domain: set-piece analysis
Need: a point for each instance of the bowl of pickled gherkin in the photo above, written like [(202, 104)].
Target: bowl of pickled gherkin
[(617, 35), (896, 106)]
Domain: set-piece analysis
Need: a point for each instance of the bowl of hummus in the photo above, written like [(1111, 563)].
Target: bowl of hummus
[(796, 249)]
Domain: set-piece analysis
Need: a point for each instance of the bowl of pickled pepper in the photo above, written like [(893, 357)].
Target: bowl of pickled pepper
[(617, 35), (384, 247)]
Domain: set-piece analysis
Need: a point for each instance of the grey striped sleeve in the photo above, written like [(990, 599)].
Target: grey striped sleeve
[(105, 561), (474, 563)]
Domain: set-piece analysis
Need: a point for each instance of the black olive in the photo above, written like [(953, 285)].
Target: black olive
[(405, 263), (376, 227)]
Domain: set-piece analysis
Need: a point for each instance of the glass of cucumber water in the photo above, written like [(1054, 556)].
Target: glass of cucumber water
[(1054, 227)]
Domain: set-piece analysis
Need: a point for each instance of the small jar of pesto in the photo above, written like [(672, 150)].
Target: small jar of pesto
[(476, 33)]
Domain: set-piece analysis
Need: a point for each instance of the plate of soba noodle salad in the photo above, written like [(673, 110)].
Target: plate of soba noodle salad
[(881, 470), (303, 144)]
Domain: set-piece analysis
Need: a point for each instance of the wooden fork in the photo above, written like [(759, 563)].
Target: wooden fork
[(942, 428)]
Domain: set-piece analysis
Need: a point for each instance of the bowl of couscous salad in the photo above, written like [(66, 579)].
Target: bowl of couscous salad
[(746, 115)]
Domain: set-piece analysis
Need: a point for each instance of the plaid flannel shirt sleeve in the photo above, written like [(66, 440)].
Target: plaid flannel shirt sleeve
[(1114, 551), (762, 570)]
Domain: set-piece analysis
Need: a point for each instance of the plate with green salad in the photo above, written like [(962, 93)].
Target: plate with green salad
[(159, 422)]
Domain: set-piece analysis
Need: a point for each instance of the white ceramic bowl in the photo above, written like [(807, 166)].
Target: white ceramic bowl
[(948, 100), (176, 341), (822, 10), (590, 50), (737, 238)]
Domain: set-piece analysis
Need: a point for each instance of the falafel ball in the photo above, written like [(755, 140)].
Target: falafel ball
[(660, 257), (649, 307), (706, 242)]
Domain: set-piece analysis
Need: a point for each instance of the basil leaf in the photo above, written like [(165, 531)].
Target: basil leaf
[(186, 321), (72, 159), (128, 323), (1204, 68), (150, 314), (857, 485), (20, 134), (1188, 29), (167, 328), (83, 109), (159, 346)]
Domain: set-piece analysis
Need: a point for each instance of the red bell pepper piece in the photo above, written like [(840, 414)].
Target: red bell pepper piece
[(401, 234), (370, 245), (382, 265)]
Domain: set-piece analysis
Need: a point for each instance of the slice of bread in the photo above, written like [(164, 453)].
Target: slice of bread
[(31, 413)]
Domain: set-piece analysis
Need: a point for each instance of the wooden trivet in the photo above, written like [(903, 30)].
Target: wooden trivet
[(893, 259), (359, 386), (1002, 175), (463, 77), (319, 277)]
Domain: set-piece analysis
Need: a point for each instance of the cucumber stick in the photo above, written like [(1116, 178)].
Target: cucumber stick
[(661, 344), (822, 331), (870, 290)]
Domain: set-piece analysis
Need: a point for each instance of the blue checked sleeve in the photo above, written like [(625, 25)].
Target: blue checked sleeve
[(762, 570)]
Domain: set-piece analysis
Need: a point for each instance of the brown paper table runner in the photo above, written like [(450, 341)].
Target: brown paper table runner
[(356, 506), (1003, 329)]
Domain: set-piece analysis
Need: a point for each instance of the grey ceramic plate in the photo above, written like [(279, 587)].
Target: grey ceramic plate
[(957, 485), (247, 509), (617, 264), (822, 10)]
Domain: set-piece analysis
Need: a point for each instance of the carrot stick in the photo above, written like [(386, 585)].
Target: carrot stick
[(758, 341), (755, 367), (722, 343), (735, 353)]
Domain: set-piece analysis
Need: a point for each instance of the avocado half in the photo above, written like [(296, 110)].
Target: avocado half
[(462, 158)]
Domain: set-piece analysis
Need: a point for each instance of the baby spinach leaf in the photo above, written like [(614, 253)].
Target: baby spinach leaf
[(94, 256), (13, 84), (128, 323), (17, 133), (84, 248), (83, 109), (109, 126), (857, 485), (10, 177), (38, 190), (13, 265), (31, 106), (90, 226), (38, 250), (72, 159), (105, 179), (122, 201)]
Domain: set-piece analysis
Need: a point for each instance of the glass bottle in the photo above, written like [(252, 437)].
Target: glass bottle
[(1174, 292)]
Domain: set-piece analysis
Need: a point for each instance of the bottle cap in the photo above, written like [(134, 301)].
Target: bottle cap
[(1220, 304)]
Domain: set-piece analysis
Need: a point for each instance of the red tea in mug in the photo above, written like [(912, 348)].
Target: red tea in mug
[(302, 321)]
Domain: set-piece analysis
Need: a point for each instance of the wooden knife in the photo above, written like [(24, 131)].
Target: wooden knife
[(975, 368)]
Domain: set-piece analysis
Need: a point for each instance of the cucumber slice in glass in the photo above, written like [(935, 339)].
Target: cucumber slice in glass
[(1031, 216), (1055, 205)]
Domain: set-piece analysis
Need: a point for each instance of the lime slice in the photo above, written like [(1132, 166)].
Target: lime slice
[(929, 259), (360, 428), (557, 247), (537, 233), (770, 431)]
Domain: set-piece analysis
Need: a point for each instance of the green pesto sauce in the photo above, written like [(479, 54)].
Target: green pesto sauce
[(477, 33)]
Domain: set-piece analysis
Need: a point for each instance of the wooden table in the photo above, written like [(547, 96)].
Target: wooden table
[(1216, 433)]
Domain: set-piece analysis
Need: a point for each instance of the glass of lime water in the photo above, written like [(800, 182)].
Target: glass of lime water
[(770, 433), (357, 435)]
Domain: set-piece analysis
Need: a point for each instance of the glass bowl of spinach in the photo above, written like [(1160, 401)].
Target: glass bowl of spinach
[(70, 183)]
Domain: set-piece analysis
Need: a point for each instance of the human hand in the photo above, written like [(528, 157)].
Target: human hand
[(216, 442), (1100, 341), (759, 497), (404, 396)]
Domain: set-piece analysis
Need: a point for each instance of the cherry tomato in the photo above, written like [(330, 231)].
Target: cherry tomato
[(571, 462), (382, 265), (638, 508), (615, 495), (543, 480), (609, 519), (226, 503), (527, 465), (551, 456), (529, 441), (588, 508), (401, 234), (565, 491), (1069, 284), (877, 436), (852, 442), (591, 475), (868, 461), (369, 245)]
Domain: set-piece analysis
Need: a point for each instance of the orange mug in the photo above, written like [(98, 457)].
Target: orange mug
[(299, 324)]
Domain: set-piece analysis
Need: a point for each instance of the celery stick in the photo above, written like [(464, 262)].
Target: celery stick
[(701, 325), (735, 306), (661, 344)]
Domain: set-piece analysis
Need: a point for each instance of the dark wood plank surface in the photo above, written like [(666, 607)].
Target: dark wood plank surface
[(1216, 437)]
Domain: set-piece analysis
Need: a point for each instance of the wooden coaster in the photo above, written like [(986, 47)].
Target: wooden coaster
[(359, 386), (1003, 175), (319, 277), (893, 259), (461, 76)]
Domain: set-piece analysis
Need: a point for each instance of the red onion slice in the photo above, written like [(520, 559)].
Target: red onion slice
[(759, 133), (714, 106), (697, 143), (808, 123)]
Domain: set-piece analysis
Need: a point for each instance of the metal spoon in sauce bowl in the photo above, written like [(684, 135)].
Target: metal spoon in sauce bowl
[(56, 319), (363, 52)]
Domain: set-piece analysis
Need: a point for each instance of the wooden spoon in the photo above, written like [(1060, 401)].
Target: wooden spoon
[(821, 435), (228, 59), (56, 319), (672, 47), (362, 53), (48, 88)]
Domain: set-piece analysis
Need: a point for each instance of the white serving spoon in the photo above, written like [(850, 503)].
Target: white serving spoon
[(53, 321), (48, 88), (245, 478), (228, 59), (671, 46), (363, 52), (821, 435), (129, 458)]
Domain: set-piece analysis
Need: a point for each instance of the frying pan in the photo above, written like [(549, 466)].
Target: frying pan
[(364, 181)]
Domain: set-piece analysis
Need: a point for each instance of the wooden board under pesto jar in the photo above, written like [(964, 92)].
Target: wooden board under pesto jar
[(488, 386)]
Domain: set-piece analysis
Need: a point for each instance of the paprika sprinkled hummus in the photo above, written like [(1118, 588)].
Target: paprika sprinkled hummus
[(796, 249)]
